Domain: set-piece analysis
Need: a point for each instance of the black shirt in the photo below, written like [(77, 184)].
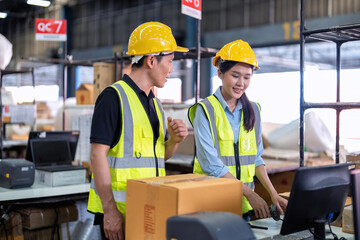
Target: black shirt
[(106, 121)]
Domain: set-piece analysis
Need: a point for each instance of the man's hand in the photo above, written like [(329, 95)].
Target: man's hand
[(114, 225), (177, 130), (259, 205)]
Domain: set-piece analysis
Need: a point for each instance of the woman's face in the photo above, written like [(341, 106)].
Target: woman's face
[(235, 81)]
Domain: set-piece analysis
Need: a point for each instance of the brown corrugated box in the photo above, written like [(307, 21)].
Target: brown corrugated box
[(104, 75), (348, 220), (85, 94), (151, 201), (13, 228), (41, 234), (34, 218), (355, 158), (42, 110)]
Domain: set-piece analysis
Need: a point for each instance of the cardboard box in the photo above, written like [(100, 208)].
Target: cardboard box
[(85, 94), (41, 234), (348, 220), (13, 228), (312, 162), (355, 158), (61, 178), (42, 110), (104, 75), (35, 218), (151, 201)]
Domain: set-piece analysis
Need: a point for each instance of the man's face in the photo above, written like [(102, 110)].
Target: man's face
[(162, 70)]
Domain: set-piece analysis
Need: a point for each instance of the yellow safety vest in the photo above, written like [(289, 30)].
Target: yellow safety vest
[(135, 155), (238, 157)]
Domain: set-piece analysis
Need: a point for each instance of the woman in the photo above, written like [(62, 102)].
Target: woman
[(227, 130)]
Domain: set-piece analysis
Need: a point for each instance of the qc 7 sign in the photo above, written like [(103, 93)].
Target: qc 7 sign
[(191, 8), (50, 29)]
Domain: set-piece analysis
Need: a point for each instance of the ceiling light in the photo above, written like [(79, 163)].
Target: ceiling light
[(41, 3), (3, 15)]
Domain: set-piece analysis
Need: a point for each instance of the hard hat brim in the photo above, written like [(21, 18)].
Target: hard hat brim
[(217, 58), (215, 61), (181, 49), (177, 49)]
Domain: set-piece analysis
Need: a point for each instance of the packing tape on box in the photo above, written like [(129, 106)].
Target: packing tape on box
[(162, 182), (42, 217), (67, 213)]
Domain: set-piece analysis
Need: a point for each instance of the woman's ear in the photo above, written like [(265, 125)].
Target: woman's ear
[(220, 75)]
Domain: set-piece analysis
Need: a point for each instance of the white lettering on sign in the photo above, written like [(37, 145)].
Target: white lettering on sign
[(59, 23), (44, 27), (50, 29), (191, 8), (47, 27), (196, 2)]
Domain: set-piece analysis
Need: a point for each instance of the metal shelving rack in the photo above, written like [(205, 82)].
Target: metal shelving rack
[(116, 59), (3, 73), (337, 35)]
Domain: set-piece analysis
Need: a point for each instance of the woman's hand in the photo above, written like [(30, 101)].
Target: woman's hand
[(280, 202)]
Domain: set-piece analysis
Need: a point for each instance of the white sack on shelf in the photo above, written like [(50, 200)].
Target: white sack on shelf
[(6, 52), (317, 135)]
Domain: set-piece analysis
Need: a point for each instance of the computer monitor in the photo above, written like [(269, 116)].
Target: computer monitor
[(71, 136), (355, 193), (317, 196)]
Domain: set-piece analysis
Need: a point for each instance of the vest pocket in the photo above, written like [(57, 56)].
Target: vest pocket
[(226, 140), (248, 173), (147, 145), (247, 145), (143, 142)]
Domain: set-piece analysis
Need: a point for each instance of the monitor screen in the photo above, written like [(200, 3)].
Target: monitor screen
[(71, 136), (317, 196), (47, 152)]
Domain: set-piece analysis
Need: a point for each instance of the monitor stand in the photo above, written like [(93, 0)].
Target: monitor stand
[(319, 228)]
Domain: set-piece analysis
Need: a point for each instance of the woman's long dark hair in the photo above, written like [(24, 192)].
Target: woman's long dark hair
[(249, 115)]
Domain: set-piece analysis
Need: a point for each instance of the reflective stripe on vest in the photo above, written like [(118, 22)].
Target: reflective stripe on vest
[(135, 155), (228, 151)]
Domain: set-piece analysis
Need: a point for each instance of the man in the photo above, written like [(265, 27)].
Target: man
[(128, 127)]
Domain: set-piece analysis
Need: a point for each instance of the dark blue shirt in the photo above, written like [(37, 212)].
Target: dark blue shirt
[(106, 120)]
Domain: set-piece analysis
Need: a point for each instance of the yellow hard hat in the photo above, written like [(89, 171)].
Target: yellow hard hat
[(238, 51), (152, 37)]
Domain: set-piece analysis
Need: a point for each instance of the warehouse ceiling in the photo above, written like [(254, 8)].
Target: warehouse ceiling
[(17, 8), (271, 59)]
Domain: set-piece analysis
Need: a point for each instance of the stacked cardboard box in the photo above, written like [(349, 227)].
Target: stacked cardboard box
[(104, 75), (85, 94), (36, 218), (354, 158), (348, 220), (12, 228)]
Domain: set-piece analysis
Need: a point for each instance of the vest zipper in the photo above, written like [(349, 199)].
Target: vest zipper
[(237, 160), (156, 162)]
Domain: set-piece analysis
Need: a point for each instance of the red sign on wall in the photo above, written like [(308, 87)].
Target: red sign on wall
[(191, 8), (50, 29)]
